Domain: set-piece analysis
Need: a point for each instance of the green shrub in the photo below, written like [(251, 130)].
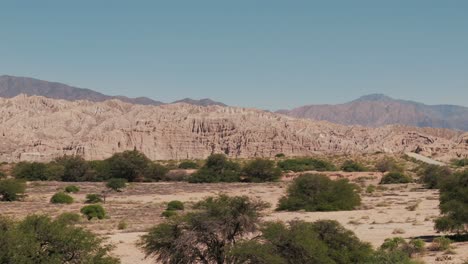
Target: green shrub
[(12, 189), (454, 204), (352, 166), (280, 156), (440, 244), (460, 162), (69, 218), (61, 198), (433, 175), (395, 177), (370, 188), (116, 184), (129, 165), (75, 168), (261, 170), (188, 165), (175, 205), (155, 172), (72, 189), (217, 169), (306, 164), (2, 175), (315, 192), (388, 164), (122, 225), (99, 170), (168, 213), (31, 171), (93, 198), (39, 239), (93, 211)]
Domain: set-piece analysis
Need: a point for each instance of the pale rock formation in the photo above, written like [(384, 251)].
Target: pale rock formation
[(39, 128)]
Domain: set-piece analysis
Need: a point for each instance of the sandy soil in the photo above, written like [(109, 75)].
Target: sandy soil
[(383, 214)]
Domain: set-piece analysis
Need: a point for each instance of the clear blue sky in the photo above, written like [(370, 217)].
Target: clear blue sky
[(268, 54)]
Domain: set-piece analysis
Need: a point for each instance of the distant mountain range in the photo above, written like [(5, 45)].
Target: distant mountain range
[(11, 86), (378, 110)]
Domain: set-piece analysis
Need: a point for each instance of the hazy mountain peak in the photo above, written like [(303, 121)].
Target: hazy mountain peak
[(200, 102), (374, 97)]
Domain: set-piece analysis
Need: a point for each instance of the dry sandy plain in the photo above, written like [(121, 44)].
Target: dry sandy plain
[(383, 214)]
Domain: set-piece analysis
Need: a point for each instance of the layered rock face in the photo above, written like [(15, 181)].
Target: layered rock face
[(38, 128)]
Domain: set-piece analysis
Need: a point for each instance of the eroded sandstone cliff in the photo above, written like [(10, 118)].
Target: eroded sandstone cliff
[(38, 128)]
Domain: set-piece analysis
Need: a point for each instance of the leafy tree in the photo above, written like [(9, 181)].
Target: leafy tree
[(262, 170), (454, 204), (217, 169), (432, 175), (116, 184), (12, 189), (75, 168), (93, 211), (306, 164), (54, 171), (315, 192), (395, 177), (351, 166), (155, 172), (31, 171), (206, 234), (40, 240), (129, 165), (61, 198), (301, 242), (188, 165), (99, 170)]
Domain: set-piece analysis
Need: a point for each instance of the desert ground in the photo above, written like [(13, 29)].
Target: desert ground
[(383, 214)]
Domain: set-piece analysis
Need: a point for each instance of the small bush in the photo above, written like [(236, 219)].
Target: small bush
[(352, 166), (93, 198), (93, 211), (261, 170), (306, 164), (460, 162), (370, 188), (395, 177), (69, 218), (175, 205), (168, 213), (315, 192), (12, 190), (388, 164), (155, 172), (440, 244), (61, 198), (72, 189), (417, 246), (122, 225), (188, 165), (116, 184), (280, 156)]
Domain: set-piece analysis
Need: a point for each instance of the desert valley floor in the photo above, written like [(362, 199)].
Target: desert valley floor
[(383, 214)]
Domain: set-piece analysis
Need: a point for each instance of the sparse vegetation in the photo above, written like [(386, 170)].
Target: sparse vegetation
[(12, 190), (388, 164), (306, 164), (168, 213), (69, 218), (93, 211), (188, 165), (122, 225), (395, 177), (61, 198), (460, 162), (440, 244), (433, 175), (155, 172), (370, 188), (315, 192), (352, 166)]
